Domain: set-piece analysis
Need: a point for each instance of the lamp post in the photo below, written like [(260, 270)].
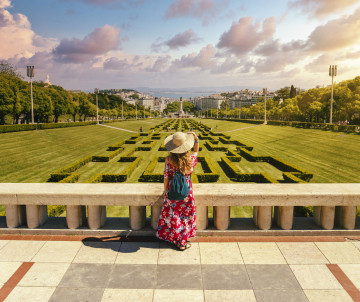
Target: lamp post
[(332, 74), (96, 91), (135, 110), (122, 109), (30, 71), (239, 109), (265, 92)]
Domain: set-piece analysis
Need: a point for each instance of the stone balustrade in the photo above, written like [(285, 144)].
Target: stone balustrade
[(333, 203)]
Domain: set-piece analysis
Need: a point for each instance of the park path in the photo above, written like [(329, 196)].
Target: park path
[(119, 128), (243, 128)]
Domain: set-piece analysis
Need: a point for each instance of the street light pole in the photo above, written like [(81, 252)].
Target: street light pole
[(122, 109), (30, 70), (265, 92), (135, 110), (332, 73), (96, 91), (239, 109)]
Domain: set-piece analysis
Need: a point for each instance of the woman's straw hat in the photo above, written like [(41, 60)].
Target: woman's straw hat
[(179, 142)]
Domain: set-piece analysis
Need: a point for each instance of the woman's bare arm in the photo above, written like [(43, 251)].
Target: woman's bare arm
[(196, 145)]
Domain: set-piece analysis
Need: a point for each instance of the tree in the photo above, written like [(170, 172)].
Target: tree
[(292, 92), (59, 100), (7, 68), (172, 107)]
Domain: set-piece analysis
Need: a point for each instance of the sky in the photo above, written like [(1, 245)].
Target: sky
[(83, 44)]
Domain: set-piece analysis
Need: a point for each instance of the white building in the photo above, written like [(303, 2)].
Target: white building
[(147, 103), (208, 103)]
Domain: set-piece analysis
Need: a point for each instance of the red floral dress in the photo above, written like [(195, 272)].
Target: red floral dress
[(177, 222)]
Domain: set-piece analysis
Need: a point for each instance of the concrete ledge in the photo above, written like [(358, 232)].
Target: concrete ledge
[(148, 194)]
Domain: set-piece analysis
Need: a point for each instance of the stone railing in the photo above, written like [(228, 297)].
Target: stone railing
[(27, 203)]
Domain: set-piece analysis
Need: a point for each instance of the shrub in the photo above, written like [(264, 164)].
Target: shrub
[(210, 146), (27, 127), (211, 173), (66, 172), (148, 175), (115, 146), (99, 158), (116, 177)]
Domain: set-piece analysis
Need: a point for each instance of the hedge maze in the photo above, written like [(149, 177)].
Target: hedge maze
[(141, 159)]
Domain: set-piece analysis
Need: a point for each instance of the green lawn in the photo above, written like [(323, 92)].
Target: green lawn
[(330, 156), (31, 156)]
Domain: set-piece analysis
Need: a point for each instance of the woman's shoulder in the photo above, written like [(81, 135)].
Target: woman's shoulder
[(167, 160)]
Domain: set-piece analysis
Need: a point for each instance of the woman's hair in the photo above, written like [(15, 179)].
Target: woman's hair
[(182, 161)]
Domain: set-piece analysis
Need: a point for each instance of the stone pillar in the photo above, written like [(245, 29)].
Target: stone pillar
[(285, 217), (325, 216), (222, 217), (155, 213), (262, 217), (345, 217), (74, 216), (96, 216), (137, 217), (15, 215), (36, 216), (202, 220)]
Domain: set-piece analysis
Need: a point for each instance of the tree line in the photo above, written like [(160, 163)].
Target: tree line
[(312, 105), (52, 101)]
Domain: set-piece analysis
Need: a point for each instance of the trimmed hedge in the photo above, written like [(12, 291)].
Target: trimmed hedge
[(210, 146), (27, 127), (148, 175), (148, 147), (308, 125), (116, 177), (116, 146), (99, 158), (211, 173), (234, 172), (66, 172), (127, 156)]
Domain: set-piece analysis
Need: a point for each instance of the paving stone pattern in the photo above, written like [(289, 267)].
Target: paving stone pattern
[(143, 271)]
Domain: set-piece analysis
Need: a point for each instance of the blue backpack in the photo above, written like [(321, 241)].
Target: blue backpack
[(179, 189)]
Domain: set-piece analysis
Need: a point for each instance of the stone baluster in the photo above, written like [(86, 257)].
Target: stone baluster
[(284, 216), (75, 216), (262, 216), (202, 220), (36, 215), (96, 216), (15, 215), (137, 217), (325, 216), (222, 217), (155, 212), (345, 217)]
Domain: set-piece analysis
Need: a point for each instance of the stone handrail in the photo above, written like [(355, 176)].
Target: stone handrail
[(332, 203)]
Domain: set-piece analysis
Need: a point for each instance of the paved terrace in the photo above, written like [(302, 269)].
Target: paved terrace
[(266, 260), (74, 268)]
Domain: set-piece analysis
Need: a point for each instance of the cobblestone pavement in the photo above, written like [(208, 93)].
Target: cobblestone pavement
[(112, 270)]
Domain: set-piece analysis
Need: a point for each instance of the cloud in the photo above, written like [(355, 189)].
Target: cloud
[(125, 64), (194, 8), (244, 36), (321, 63), (204, 59), (337, 33), (179, 40), (113, 3), (206, 10), (321, 8), (160, 64), (182, 39), (5, 3), (100, 41), (17, 36)]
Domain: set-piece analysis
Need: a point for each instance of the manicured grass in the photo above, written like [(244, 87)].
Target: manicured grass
[(330, 156), (32, 155)]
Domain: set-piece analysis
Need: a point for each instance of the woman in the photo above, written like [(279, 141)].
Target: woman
[(177, 221)]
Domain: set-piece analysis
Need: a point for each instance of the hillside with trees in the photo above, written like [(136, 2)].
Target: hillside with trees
[(52, 102)]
